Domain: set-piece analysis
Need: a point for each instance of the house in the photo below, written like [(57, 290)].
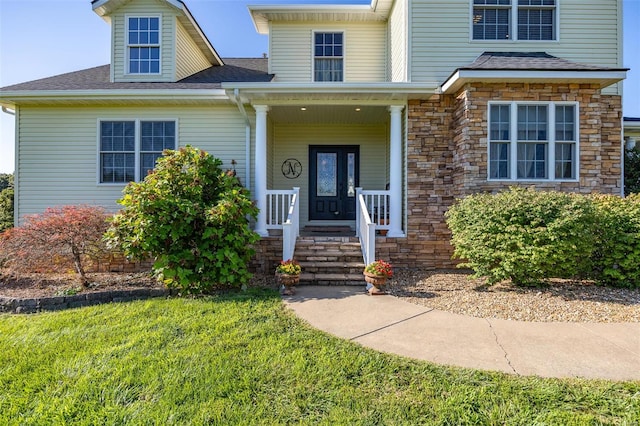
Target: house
[(376, 117)]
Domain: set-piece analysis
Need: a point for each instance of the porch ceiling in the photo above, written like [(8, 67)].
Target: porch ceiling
[(329, 114)]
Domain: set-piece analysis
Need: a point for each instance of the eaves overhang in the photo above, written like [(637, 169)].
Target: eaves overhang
[(297, 93), (11, 99), (261, 15), (631, 124), (462, 76)]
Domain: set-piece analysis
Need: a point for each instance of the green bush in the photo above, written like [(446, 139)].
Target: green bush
[(6, 201), (616, 259), (523, 235), (193, 218), (632, 171)]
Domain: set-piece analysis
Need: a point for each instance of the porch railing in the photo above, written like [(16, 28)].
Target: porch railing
[(372, 212), (283, 212)]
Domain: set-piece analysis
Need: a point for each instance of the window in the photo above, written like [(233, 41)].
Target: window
[(533, 141), (127, 155), (143, 41), (328, 57), (495, 19)]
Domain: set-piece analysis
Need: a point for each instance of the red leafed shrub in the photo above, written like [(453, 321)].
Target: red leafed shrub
[(67, 233)]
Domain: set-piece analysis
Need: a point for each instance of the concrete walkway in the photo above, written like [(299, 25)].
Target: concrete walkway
[(389, 324)]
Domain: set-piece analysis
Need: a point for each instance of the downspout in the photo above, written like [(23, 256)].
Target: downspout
[(15, 164), (236, 99)]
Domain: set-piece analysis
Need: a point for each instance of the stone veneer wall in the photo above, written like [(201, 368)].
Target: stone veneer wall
[(447, 159), (268, 255), (600, 135)]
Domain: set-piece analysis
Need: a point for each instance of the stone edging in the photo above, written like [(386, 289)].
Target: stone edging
[(56, 303)]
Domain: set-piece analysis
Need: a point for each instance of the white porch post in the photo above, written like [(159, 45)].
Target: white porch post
[(260, 175), (395, 166)]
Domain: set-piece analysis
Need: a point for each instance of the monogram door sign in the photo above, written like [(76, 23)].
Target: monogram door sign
[(291, 168)]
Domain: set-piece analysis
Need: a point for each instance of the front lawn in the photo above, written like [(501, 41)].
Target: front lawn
[(243, 359)]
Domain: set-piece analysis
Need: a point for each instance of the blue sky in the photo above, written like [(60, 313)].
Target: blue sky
[(41, 38)]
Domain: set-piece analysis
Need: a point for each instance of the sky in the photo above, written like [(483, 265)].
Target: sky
[(42, 38)]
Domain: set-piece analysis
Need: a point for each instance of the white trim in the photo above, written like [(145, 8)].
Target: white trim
[(137, 145), (16, 167), (409, 38), (127, 45), (260, 175), (551, 141), (337, 87), (260, 14), (313, 54), (462, 76), (513, 22)]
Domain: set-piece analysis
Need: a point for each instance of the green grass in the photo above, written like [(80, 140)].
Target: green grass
[(243, 359)]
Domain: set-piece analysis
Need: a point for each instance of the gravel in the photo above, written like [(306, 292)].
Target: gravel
[(558, 301), (447, 290)]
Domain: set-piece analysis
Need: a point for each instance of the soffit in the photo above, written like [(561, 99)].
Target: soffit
[(329, 114), (378, 10)]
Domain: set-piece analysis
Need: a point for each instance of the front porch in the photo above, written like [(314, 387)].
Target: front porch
[(372, 218), (333, 161)]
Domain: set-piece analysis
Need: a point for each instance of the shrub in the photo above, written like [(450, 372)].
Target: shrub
[(632, 171), (616, 259), (192, 217), (523, 235), (68, 232), (6, 208)]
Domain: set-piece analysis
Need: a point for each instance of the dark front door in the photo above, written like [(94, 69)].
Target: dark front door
[(333, 178)]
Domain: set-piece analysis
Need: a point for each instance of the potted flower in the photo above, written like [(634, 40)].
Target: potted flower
[(376, 275), (288, 275)]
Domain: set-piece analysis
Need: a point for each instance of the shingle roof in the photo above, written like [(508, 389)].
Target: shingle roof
[(233, 70), (530, 61)]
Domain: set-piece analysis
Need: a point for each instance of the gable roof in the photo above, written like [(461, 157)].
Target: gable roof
[(104, 8), (250, 70), (530, 67)]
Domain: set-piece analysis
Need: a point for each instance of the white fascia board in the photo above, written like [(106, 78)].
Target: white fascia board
[(335, 88), (205, 41), (102, 8), (631, 125), (461, 77), (259, 13), (9, 98)]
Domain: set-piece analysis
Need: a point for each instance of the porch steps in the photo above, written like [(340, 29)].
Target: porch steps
[(330, 260)]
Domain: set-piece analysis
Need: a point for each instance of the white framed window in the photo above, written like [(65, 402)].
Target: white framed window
[(143, 44), (514, 19), (128, 149), (328, 56), (533, 141)]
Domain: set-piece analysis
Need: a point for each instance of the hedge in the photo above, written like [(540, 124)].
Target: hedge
[(530, 236)]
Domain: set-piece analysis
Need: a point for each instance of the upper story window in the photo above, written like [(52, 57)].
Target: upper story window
[(143, 45), (328, 64), (533, 141), (514, 19), (129, 149)]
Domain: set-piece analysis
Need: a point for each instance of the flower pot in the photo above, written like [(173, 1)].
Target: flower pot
[(287, 279), (383, 221), (375, 280)]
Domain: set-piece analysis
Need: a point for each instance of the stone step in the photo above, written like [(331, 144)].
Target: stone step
[(332, 279), (323, 257), (329, 260)]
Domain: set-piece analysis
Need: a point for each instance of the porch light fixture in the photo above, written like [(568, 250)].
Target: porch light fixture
[(303, 109), (358, 109)]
